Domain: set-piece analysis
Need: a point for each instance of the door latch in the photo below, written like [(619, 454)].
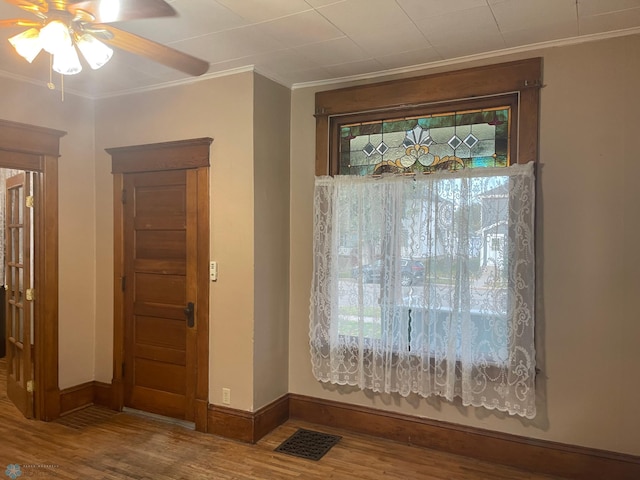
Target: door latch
[(188, 312)]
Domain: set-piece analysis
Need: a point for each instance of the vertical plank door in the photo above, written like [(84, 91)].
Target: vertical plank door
[(160, 253)]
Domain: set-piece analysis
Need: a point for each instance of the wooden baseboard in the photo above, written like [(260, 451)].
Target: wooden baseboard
[(102, 394), (540, 456), (247, 426), (201, 415), (270, 416), (76, 397), (83, 395)]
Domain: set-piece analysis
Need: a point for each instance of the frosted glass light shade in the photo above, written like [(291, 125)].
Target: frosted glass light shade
[(109, 11), (28, 44), (55, 37), (93, 50), (66, 61)]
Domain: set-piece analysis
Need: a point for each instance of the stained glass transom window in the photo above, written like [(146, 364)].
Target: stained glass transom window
[(426, 143)]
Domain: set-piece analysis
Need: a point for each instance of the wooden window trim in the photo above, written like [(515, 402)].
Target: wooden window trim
[(522, 78), (517, 83)]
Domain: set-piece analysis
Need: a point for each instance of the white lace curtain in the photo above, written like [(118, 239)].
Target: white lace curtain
[(425, 285)]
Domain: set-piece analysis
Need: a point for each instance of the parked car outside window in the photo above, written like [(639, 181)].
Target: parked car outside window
[(411, 271)]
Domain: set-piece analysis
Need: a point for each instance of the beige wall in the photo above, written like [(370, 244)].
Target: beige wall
[(588, 226), (37, 105), (272, 107), (221, 108)]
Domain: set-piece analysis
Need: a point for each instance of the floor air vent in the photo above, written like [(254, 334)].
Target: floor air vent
[(86, 417), (308, 444)]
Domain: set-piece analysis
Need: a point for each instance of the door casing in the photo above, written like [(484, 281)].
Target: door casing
[(178, 155), (37, 149)]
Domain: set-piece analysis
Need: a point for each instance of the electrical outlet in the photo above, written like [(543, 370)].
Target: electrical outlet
[(226, 396)]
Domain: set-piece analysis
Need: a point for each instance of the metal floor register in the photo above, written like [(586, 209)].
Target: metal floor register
[(308, 444)]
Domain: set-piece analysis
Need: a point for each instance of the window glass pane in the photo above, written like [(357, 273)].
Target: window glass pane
[(454, 140)]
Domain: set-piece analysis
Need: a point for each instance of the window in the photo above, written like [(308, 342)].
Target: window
[(426, 143), (425, 283)]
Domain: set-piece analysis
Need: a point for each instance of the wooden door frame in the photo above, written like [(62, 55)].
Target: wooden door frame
[(178, 155), (37, 149)]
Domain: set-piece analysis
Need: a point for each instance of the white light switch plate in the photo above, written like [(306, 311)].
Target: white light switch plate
[(213, 271)]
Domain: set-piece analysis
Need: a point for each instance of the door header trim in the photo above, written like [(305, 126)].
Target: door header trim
[(177, 155), (23, 138)]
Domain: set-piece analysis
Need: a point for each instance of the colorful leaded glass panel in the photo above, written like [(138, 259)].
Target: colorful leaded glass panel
[(454, 140)]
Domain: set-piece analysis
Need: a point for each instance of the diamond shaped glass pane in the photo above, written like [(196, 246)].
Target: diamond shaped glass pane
[(471, 140), (382, 148), (454, 142), (369, 149)]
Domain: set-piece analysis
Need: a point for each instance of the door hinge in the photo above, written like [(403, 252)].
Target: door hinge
[(30, 294), (123, 283), (123, 199), (31, 386), (29, 201)]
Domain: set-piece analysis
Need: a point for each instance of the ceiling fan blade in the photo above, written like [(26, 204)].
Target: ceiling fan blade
[(152, 50), (19, 22), (36, 7), (100, 10)]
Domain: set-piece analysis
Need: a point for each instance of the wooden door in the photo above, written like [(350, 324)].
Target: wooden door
[(160, 290), (19, 294)]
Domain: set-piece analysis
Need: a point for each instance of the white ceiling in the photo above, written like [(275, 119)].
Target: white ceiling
[(307, 41)]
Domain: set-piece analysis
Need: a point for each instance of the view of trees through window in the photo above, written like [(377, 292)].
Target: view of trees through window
[(439, 224)]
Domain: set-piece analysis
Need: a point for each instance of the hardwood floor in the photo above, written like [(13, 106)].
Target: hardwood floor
[(126, 446)]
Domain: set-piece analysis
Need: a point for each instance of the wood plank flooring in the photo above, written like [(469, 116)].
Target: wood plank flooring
[(126, 446)]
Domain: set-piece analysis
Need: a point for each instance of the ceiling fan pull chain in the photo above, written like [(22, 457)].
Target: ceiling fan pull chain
[(50, 84)]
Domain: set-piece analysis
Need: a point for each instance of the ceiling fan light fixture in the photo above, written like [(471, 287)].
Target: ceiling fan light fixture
[(93, 50), (66, 61), (69, 28), (109, 11), (28, 44), (55, 37)]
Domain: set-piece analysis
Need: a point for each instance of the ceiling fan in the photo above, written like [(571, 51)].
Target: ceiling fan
[(61, 26)]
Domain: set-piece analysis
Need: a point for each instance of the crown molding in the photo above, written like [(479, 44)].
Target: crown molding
[(175, 83), (425, 67)]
